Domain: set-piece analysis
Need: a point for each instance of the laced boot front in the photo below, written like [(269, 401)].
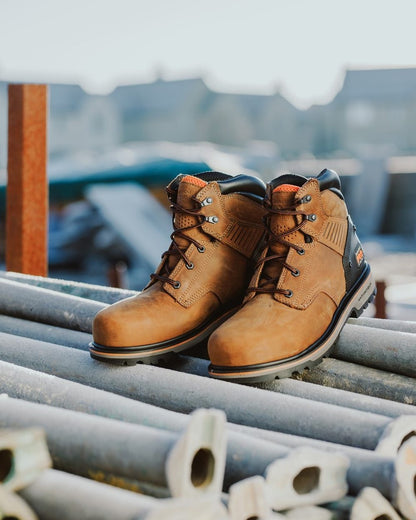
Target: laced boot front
[(202, 277), (310, 277)]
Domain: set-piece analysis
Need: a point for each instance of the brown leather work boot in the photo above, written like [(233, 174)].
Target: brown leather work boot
[(202, 278), (311, 277)]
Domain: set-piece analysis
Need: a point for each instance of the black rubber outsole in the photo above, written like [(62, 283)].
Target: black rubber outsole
[(157, 353)]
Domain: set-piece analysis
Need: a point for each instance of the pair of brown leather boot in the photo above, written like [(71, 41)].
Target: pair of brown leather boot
[(269, 274)]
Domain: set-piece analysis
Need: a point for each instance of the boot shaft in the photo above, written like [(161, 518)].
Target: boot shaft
[(313, 238), (217, 228)]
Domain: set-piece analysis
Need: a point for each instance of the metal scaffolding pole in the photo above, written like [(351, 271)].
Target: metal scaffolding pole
[(61, 310), (362, 380), (185, 392), (83, 290), (309, 390)]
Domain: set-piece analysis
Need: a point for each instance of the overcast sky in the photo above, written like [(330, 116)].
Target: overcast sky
[(236, 45)]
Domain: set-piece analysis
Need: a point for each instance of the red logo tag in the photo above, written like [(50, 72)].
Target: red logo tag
[(359, 256)]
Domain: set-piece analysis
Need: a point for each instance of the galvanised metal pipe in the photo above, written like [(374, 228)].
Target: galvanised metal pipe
[(362, 380), (38, 387), (44, 332), (83, 290), (30, 385), (36, 304), (310, 391), (316, 392), (111, 295), (185, 393), (68, 497), (56, 494), (83, 444), (399, 325), (35, 386), (388, 350), (367, 468), (383, 349), (43, 388), (50, 305), (397, 351), (189, 464), (394, 477)]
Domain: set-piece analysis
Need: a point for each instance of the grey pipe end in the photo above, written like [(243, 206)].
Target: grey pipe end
[(202, 508), (249, 499), (306, 477), (405, 464), (196, 463), (14, 507), (24, 455), (370, 504), (396, 433)]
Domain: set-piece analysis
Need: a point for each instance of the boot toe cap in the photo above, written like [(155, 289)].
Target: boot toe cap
[(228, 348), (107, 328)]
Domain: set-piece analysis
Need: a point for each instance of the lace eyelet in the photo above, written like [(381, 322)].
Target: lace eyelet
[(176, 285), (296, 272), (206, 202), (300, 251), (312, 217), (189, 266), (212, 220), (307, 198), (289, 294), (201, 249)]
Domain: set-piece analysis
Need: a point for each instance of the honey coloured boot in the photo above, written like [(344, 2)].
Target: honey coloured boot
[(201, 279), (311, 277)]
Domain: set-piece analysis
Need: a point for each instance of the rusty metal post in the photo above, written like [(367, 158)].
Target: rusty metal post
[(27, 187), (116, 275), (380, 300)]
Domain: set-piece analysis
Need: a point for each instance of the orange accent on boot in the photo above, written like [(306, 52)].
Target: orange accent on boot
[(359, 256), (194, 180), (287, 188)]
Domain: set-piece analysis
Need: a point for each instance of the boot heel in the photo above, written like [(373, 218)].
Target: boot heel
[(365, 295)]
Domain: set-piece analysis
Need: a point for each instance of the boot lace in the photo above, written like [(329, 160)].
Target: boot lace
[(174, 248), (267, 283)]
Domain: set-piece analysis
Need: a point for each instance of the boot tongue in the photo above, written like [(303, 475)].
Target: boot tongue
[(187, 188), (282, 197)]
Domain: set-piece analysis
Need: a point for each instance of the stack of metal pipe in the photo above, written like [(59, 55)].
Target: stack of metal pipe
[(338, 441)]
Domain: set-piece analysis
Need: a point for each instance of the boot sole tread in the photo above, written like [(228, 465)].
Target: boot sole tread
[(155, 354)]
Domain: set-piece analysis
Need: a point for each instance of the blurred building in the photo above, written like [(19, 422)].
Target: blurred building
[(80, 121), (77, 121), (160, 111), (374, 114), (187, 110)]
